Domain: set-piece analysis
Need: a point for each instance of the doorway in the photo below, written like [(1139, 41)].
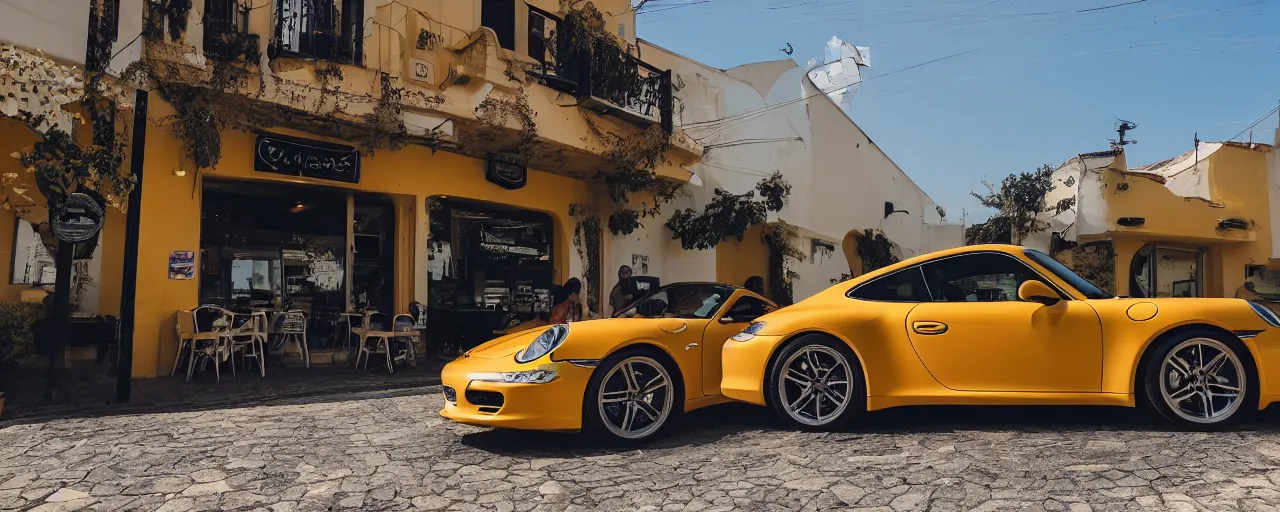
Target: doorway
[(1159, 271)]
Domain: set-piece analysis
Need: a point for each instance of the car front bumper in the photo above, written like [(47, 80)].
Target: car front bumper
[(744, 366), (555, 405)]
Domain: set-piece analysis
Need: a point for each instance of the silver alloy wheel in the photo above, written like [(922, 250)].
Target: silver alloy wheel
[(814, 385), (1203, 381), (636, 397)]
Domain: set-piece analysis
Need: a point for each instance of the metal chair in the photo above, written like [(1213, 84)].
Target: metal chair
[(291, 326), (211, 326), (249, 339), (404, 327)]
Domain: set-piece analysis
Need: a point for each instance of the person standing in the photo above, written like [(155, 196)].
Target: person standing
[(755, 284), (624, 293)]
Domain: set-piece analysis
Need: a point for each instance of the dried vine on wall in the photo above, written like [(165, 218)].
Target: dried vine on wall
[(630, 163), (586, 237), (729, 215), (175, 12), (496, 111), (875, 250), (615, 71), (780, 240)]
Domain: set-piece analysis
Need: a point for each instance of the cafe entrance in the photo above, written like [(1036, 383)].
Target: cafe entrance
[(490, 267), (323, 251)]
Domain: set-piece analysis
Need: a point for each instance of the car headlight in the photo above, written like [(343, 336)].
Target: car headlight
[(528, 377), (750, 332), (1266, 313), (549, 340)]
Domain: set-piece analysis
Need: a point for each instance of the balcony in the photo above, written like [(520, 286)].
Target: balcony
[(607, 81)]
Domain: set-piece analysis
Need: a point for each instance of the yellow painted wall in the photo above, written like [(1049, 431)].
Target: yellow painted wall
[(14, 137), (1238, 181), (736, 261), (171, 217)]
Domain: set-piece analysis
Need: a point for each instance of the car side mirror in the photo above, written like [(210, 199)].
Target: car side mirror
[(728, 320), (1036, 291)]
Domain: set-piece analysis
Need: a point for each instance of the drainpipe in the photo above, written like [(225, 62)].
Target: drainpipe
[(129, 288)]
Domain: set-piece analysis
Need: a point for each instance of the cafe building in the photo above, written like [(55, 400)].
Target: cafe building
[(380, 231)]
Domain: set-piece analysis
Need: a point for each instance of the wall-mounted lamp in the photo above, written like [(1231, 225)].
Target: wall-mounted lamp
[(888, 209), (1130, 222)]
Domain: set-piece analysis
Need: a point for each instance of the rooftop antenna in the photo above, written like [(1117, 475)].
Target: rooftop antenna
[(1123, 128)]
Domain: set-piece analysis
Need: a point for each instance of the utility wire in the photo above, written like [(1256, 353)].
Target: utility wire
[(1255, 123)]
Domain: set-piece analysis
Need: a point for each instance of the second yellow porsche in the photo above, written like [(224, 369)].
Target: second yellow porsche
[(999, 324), (625, 376)]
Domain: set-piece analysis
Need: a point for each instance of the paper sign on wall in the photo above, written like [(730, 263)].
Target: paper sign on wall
[(182, 265)]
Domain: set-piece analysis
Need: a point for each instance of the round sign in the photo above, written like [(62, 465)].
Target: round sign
[(77, 219)]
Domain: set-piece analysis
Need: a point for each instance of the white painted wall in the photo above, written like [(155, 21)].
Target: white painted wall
[(840, 179), (59, 28)]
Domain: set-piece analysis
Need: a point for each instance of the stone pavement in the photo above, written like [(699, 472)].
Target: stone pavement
[(390, 450), (94, 391)]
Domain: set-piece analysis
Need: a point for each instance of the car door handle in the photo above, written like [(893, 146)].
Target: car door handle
[(689, 346), (929, 327)]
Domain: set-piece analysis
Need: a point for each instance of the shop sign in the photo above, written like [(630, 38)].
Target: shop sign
[(506, 173), (307, 158), (423, 71), (77, 219)]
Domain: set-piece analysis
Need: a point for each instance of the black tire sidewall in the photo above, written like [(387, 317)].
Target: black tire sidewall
[(593, 425), (859, 392), (1150, 379)]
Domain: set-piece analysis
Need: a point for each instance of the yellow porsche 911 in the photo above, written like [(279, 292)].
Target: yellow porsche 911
[(998, 324), (625, 376)]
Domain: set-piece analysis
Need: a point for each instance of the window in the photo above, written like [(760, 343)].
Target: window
[(748, 309), (315, 28), (32, 263), (500, 15), (981, 277), (685, 300), (1089, 290), (903, 286)]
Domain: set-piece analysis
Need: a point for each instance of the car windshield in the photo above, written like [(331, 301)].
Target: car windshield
[(1089, 290), (681, 300)]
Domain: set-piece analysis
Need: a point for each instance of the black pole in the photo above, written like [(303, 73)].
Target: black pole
[(60, 316), (129, 290)]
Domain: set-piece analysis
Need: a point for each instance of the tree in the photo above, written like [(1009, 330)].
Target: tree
[(1018, 202)]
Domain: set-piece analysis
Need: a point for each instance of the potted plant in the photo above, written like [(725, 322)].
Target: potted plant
[(16, 339)]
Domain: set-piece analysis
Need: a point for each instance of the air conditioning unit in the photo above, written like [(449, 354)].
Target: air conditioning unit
[(457, 75)]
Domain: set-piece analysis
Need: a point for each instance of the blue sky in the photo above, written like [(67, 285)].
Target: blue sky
[(1040, 82)]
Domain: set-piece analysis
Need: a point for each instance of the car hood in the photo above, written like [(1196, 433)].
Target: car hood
[(605, 333)]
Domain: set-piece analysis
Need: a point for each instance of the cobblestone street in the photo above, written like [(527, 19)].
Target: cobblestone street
[(390, 451)]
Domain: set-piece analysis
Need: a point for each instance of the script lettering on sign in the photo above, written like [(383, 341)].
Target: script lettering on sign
[(312, 159)]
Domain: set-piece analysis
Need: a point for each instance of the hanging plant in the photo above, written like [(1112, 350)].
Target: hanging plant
[(495, 111), (875, 250), (728, 215), (586, 237), (780, 241)]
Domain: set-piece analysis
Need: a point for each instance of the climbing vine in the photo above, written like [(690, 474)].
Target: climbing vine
[(875, 250), (496, 111), (615, 72), (586, 237), (630, 162), (428, 40), (780, 241), (729, 215), (175, 12)]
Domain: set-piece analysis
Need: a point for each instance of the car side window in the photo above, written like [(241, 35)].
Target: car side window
[(748, 308), (980, 277), (903, 286)]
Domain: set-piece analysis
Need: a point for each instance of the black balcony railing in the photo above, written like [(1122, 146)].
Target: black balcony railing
[(610, 79), (226, 32), (316, 29)]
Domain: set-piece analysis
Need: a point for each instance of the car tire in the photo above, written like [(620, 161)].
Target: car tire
[(790, 388), (1185, 371), (633, 410)]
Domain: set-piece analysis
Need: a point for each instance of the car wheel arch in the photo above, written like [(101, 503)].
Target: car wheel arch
[(793, 337), (1145, 354), (659, 352)]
